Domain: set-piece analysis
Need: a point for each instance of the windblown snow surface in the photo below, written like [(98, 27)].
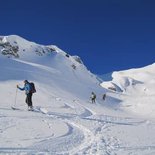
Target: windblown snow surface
[(64, 121)]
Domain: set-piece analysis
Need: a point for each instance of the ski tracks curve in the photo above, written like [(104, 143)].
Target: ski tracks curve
[(87, 133), (85, 136)]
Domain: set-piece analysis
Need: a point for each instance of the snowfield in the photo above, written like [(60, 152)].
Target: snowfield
[(64, 121)]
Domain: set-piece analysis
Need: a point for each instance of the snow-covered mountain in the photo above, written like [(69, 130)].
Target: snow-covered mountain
[(35, 62), (137, 85), (64, 121)]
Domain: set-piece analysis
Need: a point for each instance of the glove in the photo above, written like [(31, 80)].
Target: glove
[(17, 86)]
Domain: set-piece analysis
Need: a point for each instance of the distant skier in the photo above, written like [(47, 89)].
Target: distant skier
[(93, 97), (28, 91), (104, 96)]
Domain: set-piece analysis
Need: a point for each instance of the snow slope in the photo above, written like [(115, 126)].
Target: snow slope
[(137, 87), (64, 120)]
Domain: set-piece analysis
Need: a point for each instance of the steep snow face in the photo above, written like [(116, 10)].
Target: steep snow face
[(125, 80), (15, 46), (138, 87), (66, 72)]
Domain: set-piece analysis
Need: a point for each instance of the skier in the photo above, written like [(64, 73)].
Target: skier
[(93, 97), (27, 88), (104, 96)]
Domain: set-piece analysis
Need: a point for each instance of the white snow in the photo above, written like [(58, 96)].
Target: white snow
[(64, 121)]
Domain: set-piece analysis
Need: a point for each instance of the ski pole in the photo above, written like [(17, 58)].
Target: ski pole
[(15, 97)]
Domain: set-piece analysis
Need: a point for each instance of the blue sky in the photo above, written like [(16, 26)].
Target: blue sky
[(109, 35)]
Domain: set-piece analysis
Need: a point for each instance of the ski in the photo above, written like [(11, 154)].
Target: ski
[(15, 108), (35, 109)]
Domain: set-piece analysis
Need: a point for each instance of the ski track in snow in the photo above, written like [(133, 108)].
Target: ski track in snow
[(87, 132), (81, 138), (87, 140)]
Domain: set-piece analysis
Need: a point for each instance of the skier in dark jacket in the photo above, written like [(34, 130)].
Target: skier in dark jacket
[(93, 97), (104, 96), (27, 88)]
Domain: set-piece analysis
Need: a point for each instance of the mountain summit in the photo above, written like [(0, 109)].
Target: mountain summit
[(48, 60), (18, 47)]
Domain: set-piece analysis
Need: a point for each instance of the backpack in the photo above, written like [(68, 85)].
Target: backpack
[(93, 96), (32, 86)]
